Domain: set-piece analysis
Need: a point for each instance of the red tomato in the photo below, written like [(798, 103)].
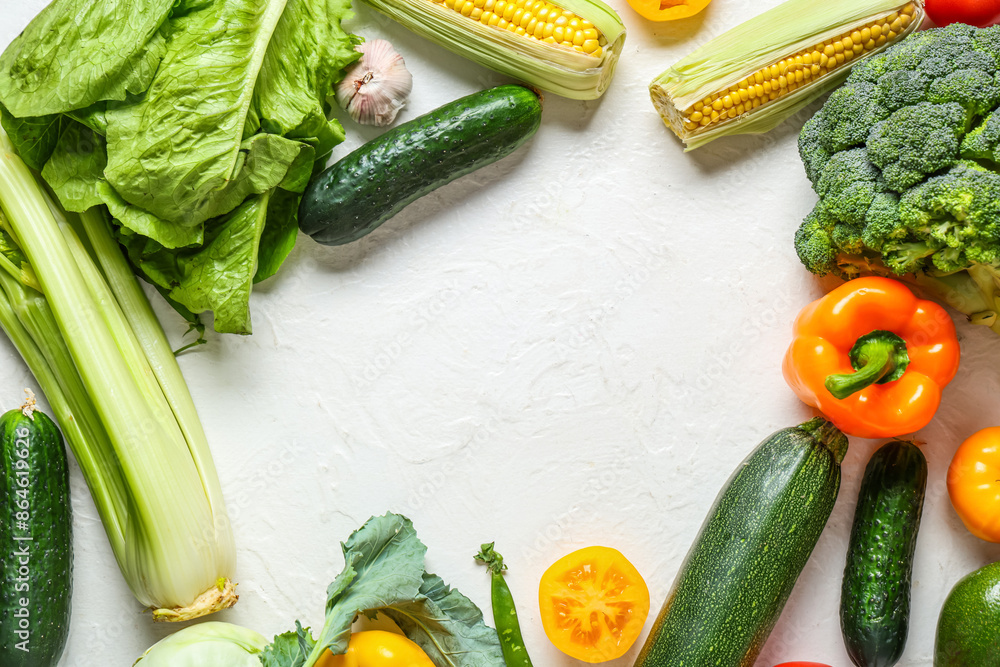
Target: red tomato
[(981, 13)]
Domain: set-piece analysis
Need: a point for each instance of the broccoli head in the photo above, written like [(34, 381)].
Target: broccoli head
[(905, 158)]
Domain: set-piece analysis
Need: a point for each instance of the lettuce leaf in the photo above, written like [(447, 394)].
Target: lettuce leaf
[(174, 151), (280, 232), (76, 167), (384, 573), (216, 276), (34, 138), (78, 52), (306, 57)]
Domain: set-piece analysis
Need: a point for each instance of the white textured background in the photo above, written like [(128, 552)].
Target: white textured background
[(574, 346)]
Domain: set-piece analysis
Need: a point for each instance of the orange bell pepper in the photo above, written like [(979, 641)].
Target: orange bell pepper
[(872, 357), (974, 483), (667, 10)]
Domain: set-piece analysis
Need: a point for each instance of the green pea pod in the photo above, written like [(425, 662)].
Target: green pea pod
[(515, 654)]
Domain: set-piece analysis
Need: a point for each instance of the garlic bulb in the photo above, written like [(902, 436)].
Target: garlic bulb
[(376, 86)]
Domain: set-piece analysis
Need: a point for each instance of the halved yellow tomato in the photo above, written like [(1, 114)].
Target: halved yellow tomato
[(593, 604), (378, 648)]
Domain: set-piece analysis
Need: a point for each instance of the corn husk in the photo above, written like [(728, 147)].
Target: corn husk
[(762, 41), (555, 69)]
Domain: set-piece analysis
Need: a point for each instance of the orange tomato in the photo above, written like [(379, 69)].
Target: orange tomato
[(378, 648), (593, 604), (667, 10), (974, 483)]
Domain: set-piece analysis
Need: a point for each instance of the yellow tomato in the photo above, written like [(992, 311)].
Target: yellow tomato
[(377, 648), (593, 604), (974, 483), (667, 10)]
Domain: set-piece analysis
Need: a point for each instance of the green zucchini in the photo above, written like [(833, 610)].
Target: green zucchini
[(369, 186), (875, 598), (35, 540), (758, 536)]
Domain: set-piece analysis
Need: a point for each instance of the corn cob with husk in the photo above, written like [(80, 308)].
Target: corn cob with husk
[(569, 48), (753, 77)]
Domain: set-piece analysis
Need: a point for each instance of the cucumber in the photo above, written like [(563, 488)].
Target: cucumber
[(967, 629), (36, 548), (758, 536), (875, 598), (372, 184)]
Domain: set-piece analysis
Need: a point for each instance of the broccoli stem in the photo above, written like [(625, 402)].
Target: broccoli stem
[(877, 357)]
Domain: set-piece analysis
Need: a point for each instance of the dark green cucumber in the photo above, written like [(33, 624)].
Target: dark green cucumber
[(36, 548), (369, 186), (967, 629), (752, 547), (875, 599)]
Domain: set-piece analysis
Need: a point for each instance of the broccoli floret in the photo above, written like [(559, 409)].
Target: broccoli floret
[(987, 40), (883, 221), (814, 242), (953, 49), (901, 88), (847, 238), (909, 53), (977, 91), (814, 155), (848, 186), (908, 256), (983, 143), (959, 210), (849, 114), (871, 69), (905, 158), (916, 141)]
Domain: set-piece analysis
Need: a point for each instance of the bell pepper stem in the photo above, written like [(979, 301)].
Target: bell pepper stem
[(877, 357)]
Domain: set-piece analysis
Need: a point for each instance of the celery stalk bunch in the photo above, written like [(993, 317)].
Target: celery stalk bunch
[(73, 309)]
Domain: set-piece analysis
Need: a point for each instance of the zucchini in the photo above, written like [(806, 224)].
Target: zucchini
[(758, 536), (875, 599), (376, 181), (35, 540)]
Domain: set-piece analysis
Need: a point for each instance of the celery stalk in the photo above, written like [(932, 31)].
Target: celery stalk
[(99, 354)]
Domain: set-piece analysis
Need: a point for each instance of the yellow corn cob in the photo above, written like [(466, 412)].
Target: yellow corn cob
[(700, 107), (534, 19), (570, 48)]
